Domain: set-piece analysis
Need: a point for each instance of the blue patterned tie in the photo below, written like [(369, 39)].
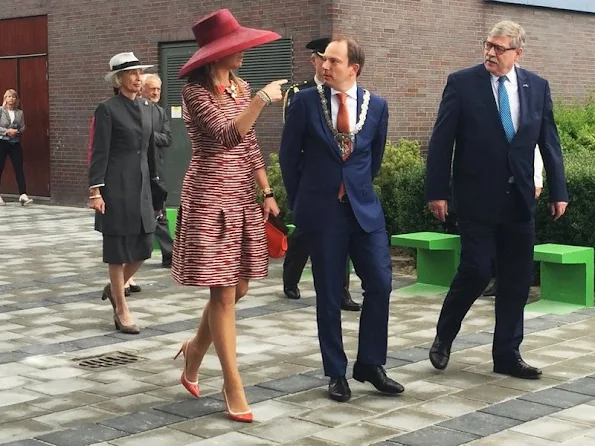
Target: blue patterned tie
[(504, 105)]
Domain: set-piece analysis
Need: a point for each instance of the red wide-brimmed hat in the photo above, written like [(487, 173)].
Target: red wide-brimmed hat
[(218, 35)]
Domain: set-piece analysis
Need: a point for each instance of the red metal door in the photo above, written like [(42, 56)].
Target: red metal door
[(23, 67), (8, 79), (33, 89), (8, 75)]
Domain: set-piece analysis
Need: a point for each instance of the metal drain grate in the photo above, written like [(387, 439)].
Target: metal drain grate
[(113, 359)]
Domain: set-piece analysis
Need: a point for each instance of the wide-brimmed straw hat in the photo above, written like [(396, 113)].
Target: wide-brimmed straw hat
[(218, 34), (122, 62)]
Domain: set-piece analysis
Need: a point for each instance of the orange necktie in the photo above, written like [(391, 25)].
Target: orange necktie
[(343, 127)]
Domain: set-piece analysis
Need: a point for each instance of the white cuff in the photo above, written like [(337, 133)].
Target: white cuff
[(97, 185)]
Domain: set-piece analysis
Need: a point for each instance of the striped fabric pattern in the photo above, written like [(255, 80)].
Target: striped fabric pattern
[(220, 233)]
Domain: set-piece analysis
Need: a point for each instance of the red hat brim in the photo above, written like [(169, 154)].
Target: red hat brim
[(241, 39)]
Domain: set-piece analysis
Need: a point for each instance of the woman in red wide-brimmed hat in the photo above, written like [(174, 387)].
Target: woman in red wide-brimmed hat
[(220, 238)]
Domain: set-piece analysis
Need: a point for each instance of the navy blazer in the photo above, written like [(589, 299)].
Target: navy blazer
[(313, 169), (469, 122)]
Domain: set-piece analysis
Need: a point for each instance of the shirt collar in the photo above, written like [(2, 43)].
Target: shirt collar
[(512, 77), (318, 82), (352, 92)]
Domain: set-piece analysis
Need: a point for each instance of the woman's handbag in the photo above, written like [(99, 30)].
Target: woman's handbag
[(276, 232)]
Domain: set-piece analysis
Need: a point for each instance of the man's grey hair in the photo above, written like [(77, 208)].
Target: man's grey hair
[(510, 29), (153, 76)]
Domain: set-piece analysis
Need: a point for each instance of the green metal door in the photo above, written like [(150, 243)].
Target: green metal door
[(171, 58)]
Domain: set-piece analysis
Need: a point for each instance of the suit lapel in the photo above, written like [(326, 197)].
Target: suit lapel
[(487, 96), (332, 142), (360, 98), (523, 86)]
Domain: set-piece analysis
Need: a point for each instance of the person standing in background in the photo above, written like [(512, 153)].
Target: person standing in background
[(12, 126)]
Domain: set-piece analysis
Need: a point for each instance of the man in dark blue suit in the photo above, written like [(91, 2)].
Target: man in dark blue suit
[(493, 115), (331, 150)]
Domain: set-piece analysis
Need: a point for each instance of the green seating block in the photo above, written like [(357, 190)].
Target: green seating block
[(566, 273), (438, 255), (172, 215)]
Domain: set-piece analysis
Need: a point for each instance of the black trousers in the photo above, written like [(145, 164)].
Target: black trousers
[(15, 153), (296, 258), (164, 238), (510, 243)]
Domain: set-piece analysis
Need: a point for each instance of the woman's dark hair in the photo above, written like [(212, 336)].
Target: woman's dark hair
[(204, 76)]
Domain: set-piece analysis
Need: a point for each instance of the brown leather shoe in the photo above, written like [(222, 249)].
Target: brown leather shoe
[(107, 294), (126, 329)]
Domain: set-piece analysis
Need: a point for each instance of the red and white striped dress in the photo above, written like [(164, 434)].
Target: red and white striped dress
[(220, 233)]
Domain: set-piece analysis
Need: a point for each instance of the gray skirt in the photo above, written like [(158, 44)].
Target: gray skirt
[(118, 249)]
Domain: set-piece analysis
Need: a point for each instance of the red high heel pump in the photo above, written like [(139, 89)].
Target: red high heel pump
[(190, 386)]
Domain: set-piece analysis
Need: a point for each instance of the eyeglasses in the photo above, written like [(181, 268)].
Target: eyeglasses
[(498, 49)]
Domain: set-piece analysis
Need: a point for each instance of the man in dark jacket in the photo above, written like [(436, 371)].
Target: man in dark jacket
[(162, 134), (299, 248), (494, 114)]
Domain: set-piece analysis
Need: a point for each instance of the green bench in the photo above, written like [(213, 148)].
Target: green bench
[(438, 257), (566, 274), (172, 216)]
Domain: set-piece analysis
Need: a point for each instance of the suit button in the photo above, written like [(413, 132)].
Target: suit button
[(138, 151)]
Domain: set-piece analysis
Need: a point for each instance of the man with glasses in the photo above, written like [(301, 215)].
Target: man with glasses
[(492, 116)]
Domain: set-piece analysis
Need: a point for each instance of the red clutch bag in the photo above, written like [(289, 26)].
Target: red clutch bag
[(276, 237)]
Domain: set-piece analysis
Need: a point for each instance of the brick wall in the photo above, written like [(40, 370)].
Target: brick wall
[(411, 46)]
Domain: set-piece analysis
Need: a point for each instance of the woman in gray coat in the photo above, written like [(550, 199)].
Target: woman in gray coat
[(12, 126), (119, 180)]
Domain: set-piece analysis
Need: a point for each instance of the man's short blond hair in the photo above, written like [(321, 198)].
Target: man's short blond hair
[(508, 28)]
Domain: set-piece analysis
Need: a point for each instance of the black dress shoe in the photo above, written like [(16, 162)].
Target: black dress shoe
[(127, 291), (166, 262), (491, 290), (292, 292), (135, 289), (376, 376), (518, 369), (439, 354), (348, 304), (338, 390)]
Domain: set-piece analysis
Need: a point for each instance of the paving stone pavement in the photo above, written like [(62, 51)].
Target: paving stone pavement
[(51, 320)]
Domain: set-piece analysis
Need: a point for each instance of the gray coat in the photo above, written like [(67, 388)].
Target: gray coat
[(162, 135), (5, 124), (121, 162)]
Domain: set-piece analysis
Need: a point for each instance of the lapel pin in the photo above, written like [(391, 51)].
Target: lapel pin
[(525, 85)]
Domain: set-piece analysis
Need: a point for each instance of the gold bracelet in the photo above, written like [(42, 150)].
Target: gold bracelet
[(94, 196)]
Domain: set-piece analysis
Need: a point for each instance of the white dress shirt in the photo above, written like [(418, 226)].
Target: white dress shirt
[(512, 88), (538, 164), (351, 106), (11, 114)]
